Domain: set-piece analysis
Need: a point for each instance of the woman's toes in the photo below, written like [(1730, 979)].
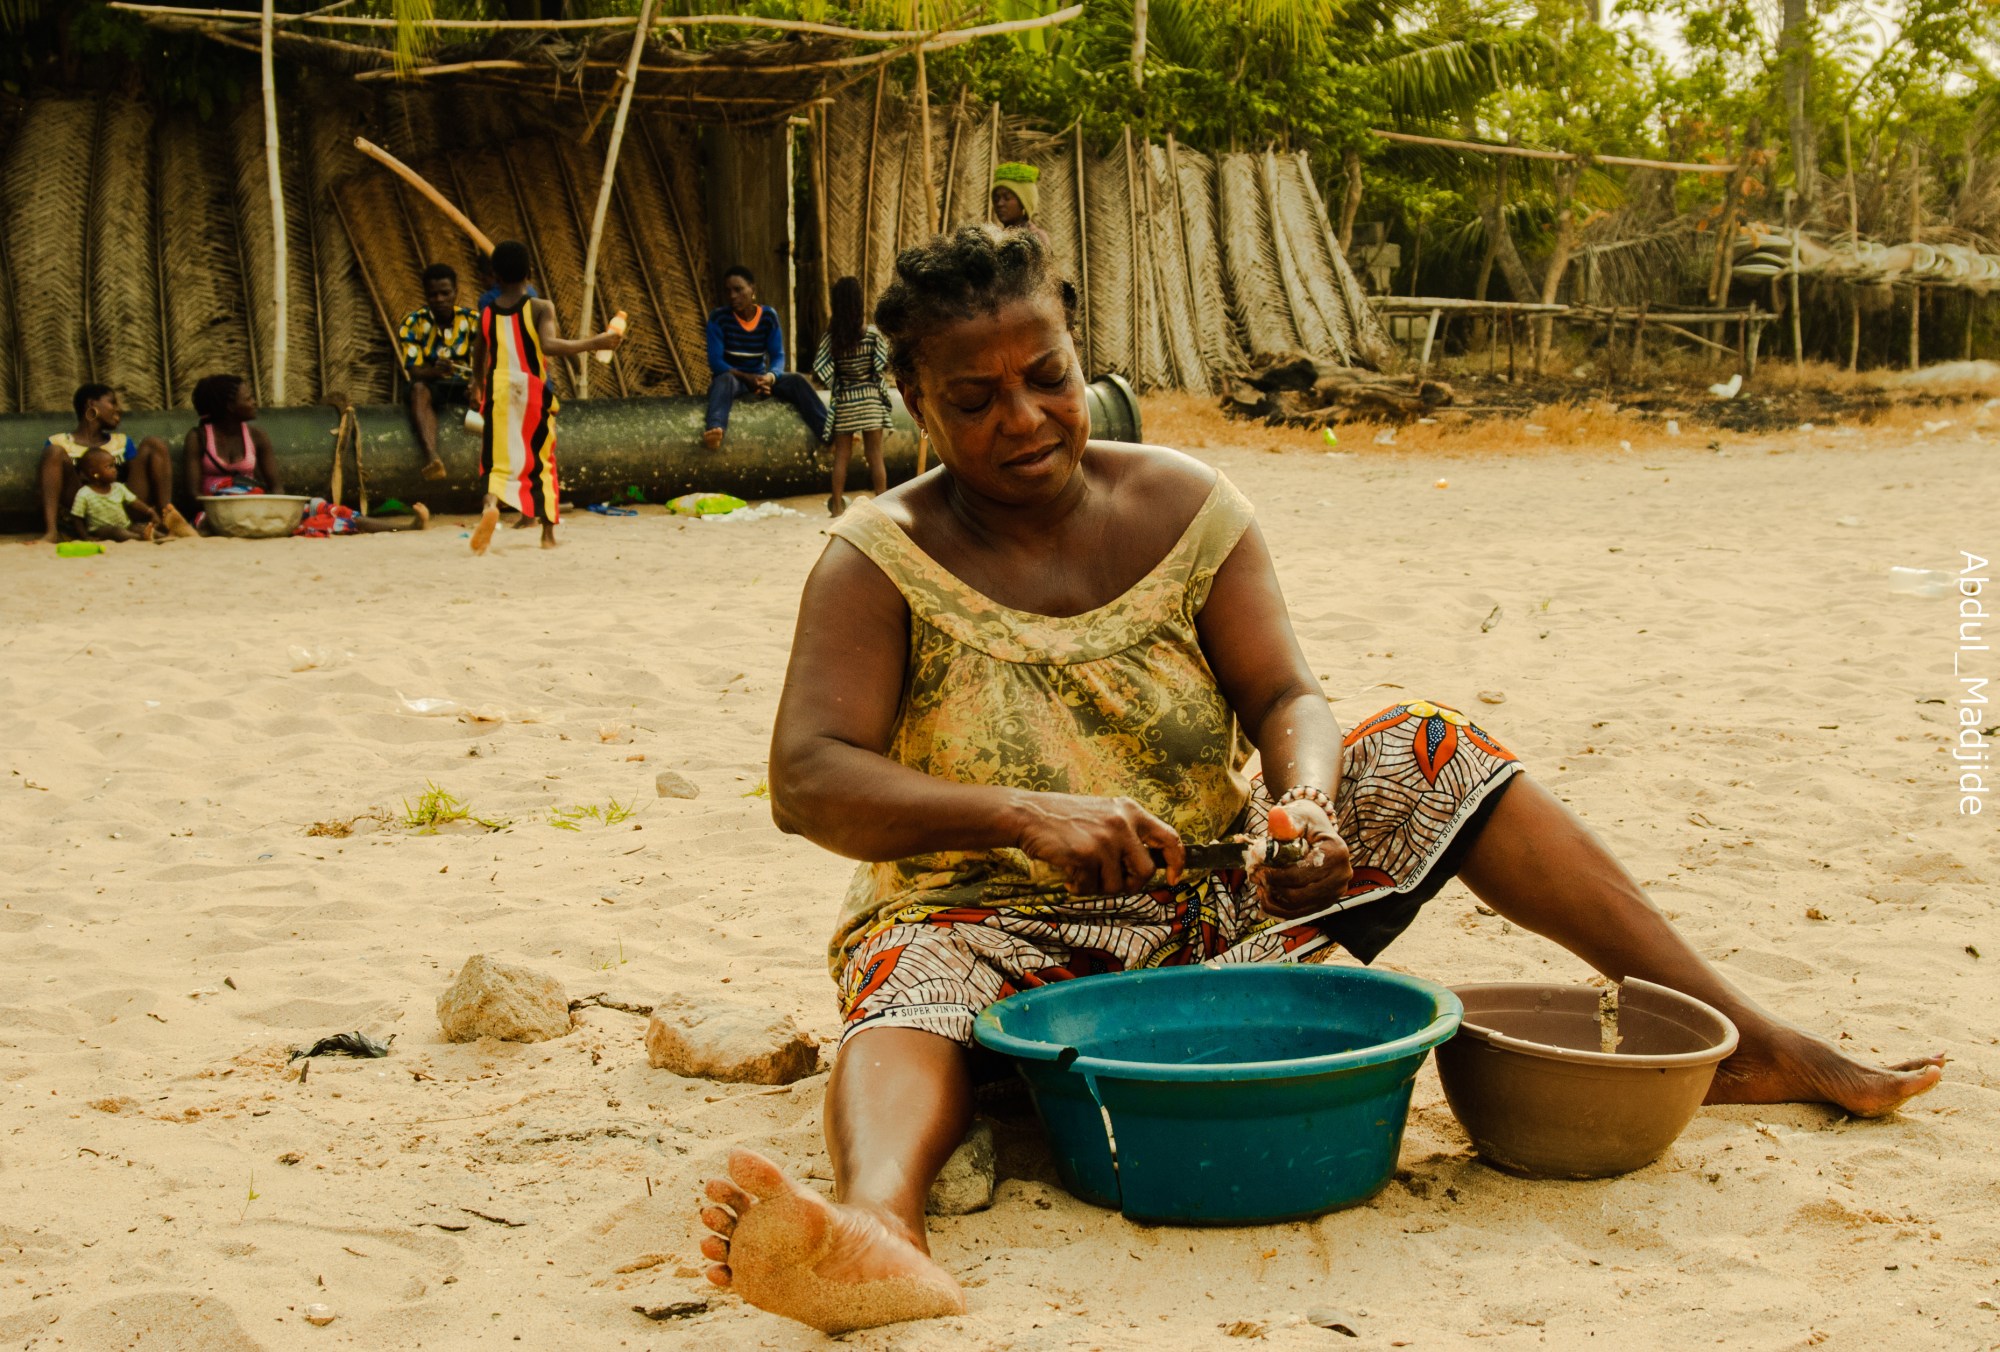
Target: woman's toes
[(722, 1191), (719, 1275), (756, 1175), (715, 1247), (718, 1220)]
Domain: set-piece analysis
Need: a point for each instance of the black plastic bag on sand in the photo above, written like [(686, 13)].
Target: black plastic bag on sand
[(343, 1044)]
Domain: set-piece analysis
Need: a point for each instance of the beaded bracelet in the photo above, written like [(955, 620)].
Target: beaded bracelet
[(1307, 791)]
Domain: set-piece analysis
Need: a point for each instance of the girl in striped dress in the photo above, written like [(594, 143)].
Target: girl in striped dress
[(851, 363), (510, 378)]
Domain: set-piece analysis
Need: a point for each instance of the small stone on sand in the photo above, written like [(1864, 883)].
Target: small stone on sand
[(319, 1316), (965, 1184), (1492, 697), (672, 785), (707, 1041), (501, 1000)]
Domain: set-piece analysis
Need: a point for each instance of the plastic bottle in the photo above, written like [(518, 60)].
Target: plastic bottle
[(78, 549), (1920, 582), (617, 325)]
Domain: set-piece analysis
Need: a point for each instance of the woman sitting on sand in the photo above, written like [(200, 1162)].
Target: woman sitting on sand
[(228, 455), (1015, 676)]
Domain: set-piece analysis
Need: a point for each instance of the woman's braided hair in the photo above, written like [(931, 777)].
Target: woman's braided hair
[(950, 278)]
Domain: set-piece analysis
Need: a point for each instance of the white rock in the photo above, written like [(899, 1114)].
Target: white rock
[(709, 1041), (965, 1184), (672, 785), (501, 1000), (318, 1315)]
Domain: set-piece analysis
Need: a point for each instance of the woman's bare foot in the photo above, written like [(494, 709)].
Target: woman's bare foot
[(176, 524), (482, 534), (423, 515), (549, 540), (835, 506), (784, 1248), (1796, 1067), (523, 522), (434, 468)]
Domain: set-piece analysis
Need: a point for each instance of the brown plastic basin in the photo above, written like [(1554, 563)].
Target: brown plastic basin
[(1526, 1079)]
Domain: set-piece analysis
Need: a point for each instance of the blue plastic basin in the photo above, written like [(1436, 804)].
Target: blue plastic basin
[(1224, 1095)]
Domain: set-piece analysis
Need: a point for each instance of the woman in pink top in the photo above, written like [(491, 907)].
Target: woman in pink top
[(224, 452), (227, 455)]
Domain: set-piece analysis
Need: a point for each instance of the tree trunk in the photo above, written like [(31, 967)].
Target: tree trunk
[(1520, 286), (1487, 213), (1138, 44), (1559, 260), (1350, 200), (1795, 53)]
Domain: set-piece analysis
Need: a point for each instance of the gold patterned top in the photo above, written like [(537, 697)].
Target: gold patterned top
[(1117, 701)]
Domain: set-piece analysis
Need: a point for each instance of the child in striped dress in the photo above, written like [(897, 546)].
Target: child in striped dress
[(510, 382), (851, 363)]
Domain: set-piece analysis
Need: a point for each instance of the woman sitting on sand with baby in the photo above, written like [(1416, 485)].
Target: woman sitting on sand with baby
[(1013, 678)]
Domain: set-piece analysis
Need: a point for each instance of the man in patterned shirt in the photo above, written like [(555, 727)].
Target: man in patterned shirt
[(437, 355)]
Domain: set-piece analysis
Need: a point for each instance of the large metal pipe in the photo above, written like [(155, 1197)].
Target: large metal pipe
[(605, 448)]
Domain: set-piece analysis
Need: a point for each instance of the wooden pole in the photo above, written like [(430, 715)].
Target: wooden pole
[(1916, 233), (821, 216), (432, 195), (1528, 153), (868, 194), (583, 324), (951, 158), (1798, 330), (1082, 247), (1853, 242), (924, 130), (280, 339)]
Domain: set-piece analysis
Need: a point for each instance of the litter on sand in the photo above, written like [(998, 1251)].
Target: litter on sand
[(606, 509), (343, 1044), (706, 504), (763, 511)]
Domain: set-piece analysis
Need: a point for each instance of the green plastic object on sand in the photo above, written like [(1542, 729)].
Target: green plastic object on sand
[(635, 493), (706, 504), (1239, 1095), (78, 549), (393, 507)]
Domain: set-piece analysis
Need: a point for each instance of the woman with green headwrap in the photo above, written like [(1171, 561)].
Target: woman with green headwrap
[(1014, 198)]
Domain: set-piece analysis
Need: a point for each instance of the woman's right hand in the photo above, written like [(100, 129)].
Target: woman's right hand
[(1100, 846)]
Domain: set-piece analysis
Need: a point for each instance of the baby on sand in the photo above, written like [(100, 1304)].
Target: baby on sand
[(105, 507)]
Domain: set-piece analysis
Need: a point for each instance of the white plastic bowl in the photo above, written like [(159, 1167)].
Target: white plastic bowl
[(255, 516)]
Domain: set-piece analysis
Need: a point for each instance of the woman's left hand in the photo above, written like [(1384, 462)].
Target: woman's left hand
[(1315, 882)]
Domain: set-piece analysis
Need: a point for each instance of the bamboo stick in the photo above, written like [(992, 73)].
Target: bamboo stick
[(280, 280), (821, 215), (610, 175), (575, 204), (868, 195), (924, 130), (417, 181), (1082, 249), (951, 157), (1525, 152), (1798, 341), (1853, 242), (1916, 233), (1138, 275)]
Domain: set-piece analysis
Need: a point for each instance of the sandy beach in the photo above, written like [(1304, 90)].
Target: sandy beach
[(1697, 648)]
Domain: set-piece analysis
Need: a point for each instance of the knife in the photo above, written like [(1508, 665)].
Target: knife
[(1237, 854)]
